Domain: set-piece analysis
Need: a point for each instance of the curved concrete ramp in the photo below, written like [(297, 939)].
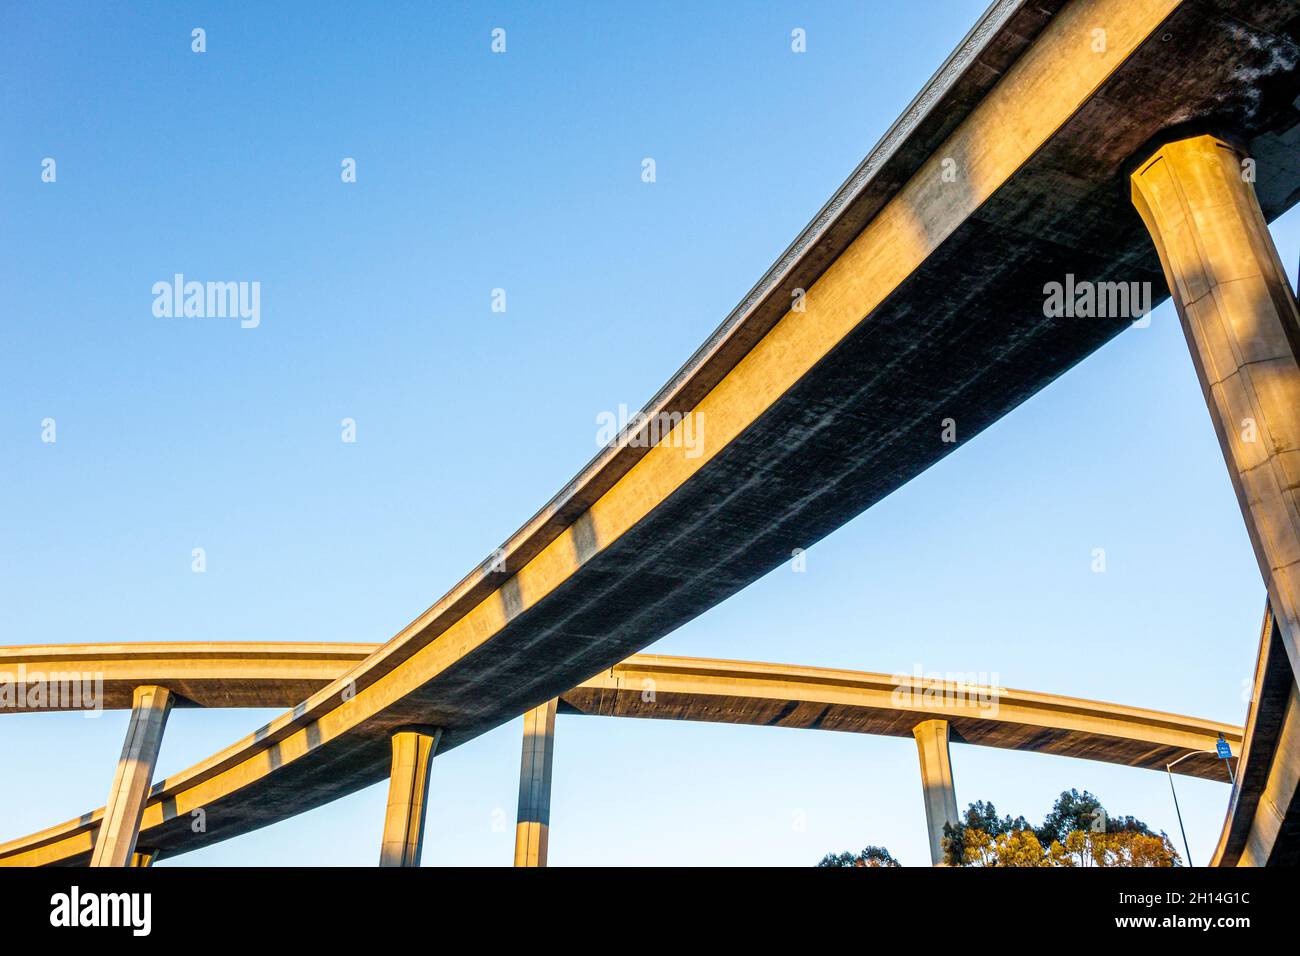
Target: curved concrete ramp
[(1262, 826), (206, 674), (648, 686), (816, 698)]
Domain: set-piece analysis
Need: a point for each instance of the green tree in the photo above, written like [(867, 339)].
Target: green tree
[(870, 856), (1075, 811), (980, 817), (1069, 836)]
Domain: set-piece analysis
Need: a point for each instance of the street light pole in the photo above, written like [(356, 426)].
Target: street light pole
[(1169, 769), (1186, 848)]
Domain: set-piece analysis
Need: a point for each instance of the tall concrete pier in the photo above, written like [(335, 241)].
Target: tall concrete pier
[(120, 826), (936, 782), (1239, 314), (408, 791), (532, 829)]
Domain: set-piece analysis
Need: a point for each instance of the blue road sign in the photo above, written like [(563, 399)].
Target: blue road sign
[(1222, 747)]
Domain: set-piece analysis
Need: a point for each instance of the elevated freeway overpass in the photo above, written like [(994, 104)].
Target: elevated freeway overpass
[(1134, 143), (1263, 821), (646, 686)]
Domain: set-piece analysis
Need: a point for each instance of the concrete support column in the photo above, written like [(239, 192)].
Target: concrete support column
[(532, 829), (408, 791), (1240, 319), (118, 830), (936, 782)]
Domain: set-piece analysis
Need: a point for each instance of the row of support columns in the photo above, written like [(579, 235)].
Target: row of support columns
[(1242, 326), (533, 824), (408, 788), (413, 750)]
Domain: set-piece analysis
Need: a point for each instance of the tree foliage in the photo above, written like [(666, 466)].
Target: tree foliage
[(870, 856), (1071, 835), (1075, 811)]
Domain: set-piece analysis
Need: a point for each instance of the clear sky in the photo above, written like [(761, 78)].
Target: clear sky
[(522, 171)]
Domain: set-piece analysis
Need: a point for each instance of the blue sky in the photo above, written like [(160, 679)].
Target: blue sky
[(522, 171)]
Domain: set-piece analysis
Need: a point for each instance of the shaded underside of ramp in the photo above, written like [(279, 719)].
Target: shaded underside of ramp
[(657, 687)]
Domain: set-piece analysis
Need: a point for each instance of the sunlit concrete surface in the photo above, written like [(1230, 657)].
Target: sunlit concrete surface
[(1243, 328), (408, 796), (736, 692), (937, 789), (1263, 819), (203, 674), (817, 698), (533, 825), (115, 841)]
